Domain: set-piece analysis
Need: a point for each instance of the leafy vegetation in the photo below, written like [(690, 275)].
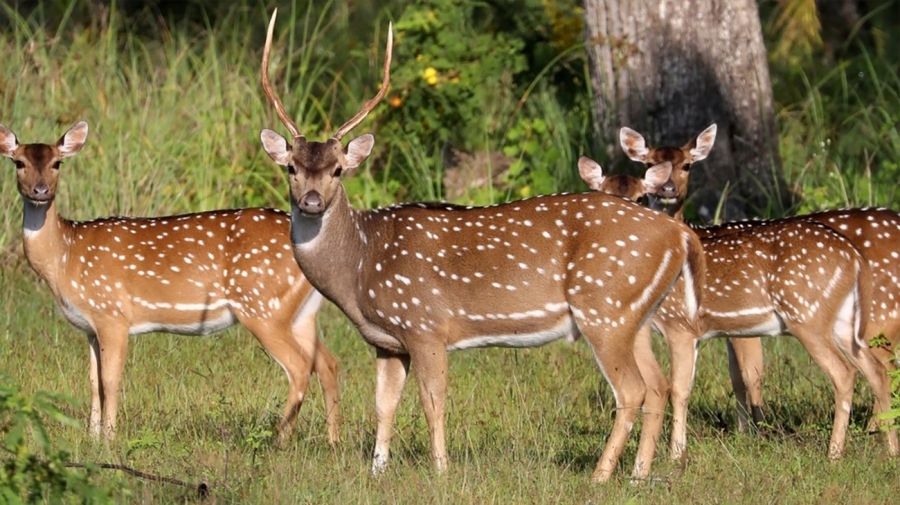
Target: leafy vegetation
[(490, 101)]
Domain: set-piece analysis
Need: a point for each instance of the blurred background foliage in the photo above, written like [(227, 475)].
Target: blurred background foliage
[(490, 100)]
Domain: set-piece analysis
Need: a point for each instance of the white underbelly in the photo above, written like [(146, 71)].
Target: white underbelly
[(564, 329), (771, 326), (74, 316), (215, 322)]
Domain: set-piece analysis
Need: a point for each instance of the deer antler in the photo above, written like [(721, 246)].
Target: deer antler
[(267, 86), (370, 104)]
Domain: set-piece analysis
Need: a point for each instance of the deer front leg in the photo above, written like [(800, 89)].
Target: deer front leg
[(391, 371), (96, 424), (745, 365), (430, 364), (113, 343)]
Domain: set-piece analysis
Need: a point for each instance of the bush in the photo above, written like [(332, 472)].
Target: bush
[(31, 469)]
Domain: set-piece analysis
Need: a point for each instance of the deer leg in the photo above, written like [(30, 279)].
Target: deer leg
[(327, 369), (96, 422), (655, 400), (304, 331), (113, 344), (430, 365), (842, 376), (279, 342), (391, 372), (615, 357), (683, 348), (745, 366), (873, 370)]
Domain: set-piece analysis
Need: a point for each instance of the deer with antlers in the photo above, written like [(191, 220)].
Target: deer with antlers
[(768, 277), (419, 280), (873, 231), (192, 274)]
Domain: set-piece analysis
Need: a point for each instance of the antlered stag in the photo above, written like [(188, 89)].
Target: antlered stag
[(419, 280)]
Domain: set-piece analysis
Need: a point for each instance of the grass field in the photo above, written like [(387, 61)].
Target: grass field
[(174, 127), (524, 426)]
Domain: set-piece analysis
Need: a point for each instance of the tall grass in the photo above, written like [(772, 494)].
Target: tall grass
[(174, 119), (840, 142)]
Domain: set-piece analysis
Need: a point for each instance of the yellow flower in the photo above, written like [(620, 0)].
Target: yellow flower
[(525, 191), (430, 75)]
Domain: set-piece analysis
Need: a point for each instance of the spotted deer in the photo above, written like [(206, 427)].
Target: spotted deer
[(419, 280), (771, 277), (873, 232), (191, 274)]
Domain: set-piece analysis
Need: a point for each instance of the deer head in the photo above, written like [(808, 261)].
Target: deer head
[(37, 165), (626, 186), (671, 196), (315, 168)]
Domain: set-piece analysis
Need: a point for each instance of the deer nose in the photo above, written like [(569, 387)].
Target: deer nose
[(312, 203), (41, 190), (667, 190)]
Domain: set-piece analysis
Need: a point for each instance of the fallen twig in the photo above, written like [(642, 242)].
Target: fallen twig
[(202, 488)]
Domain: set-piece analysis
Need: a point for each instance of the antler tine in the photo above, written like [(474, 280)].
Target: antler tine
[(370, 104), (267, 86)]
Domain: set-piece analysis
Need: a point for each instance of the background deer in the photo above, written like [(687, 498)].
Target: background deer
[(873, 232), (419, 280), (192, 274)]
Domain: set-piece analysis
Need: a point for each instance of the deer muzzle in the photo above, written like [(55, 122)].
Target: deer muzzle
[(312, 203)]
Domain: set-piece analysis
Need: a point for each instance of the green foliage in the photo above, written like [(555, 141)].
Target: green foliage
[(32, 470), (457, 75), (840, 140)]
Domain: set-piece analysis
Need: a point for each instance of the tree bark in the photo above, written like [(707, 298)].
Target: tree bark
[(670, 68)]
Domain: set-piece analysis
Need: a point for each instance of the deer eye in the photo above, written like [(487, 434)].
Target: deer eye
[(56, 165), (19, 164), (337, 173), (291, 170), (686, 167)]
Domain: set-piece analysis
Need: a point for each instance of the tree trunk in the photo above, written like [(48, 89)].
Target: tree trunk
[(670, 68)]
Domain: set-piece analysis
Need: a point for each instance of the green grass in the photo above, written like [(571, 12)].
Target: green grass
[(524, 426)]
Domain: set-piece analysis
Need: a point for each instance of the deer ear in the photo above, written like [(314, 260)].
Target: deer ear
[(73, 140), (358, 150), (656, 176), (8, 142), (633, 144), (703, 144), (276, 147), (591, 172)]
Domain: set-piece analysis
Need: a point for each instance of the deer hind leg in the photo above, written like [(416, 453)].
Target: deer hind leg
[(828, 357), (327, 369), (324, 364), (614, 352), (655, 400), (112, 340), (391, 371), (683, 347), (745, 366), (858, 353), (277, 339), (96, 422)]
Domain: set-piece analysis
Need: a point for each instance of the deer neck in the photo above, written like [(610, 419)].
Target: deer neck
[(330, 250), (46, 239)]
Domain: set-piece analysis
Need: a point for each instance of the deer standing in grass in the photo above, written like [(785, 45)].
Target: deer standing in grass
[(419, 280), (192, 274), (765, 278), (874, 232)]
